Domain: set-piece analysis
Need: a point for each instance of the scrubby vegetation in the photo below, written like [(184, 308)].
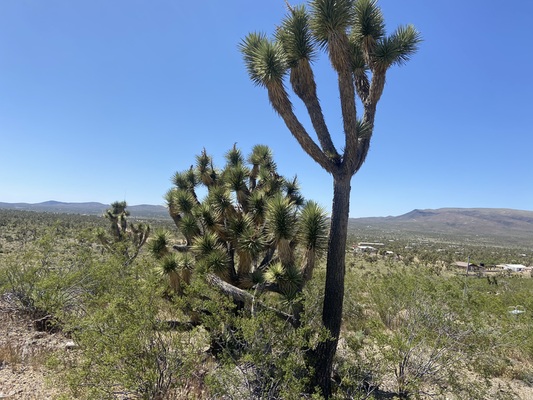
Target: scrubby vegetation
[(414, 326)]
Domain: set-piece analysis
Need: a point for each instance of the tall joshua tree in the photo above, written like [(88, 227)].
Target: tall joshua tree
[(352, 34)]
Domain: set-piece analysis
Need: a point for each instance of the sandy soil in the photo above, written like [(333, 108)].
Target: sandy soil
[(23, 352)]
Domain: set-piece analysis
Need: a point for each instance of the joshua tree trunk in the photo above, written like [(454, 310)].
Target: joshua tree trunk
[(334, 290)]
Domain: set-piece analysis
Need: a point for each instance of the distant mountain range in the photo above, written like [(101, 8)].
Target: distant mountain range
[(90, 208), (480, 224), (493, 224)]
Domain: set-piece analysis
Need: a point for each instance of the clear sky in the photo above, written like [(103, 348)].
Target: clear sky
[(104, 100)]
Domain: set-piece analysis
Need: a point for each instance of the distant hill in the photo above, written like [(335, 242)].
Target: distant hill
[(491, 225), (89, 208), (480, 224)]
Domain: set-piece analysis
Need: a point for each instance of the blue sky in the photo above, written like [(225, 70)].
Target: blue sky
[(104, 100)]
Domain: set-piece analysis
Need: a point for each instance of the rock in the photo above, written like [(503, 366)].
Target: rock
[(69, 345)]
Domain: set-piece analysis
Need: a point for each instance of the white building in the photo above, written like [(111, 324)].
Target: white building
[(365, 249), (512, 267)]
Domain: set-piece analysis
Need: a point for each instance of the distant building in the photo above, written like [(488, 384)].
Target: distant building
[(462, 264), (365, 249), (512, 267), (471, 266)]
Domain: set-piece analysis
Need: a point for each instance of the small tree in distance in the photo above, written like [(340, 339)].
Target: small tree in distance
[(124, 238), (253, 230), (352, 33)]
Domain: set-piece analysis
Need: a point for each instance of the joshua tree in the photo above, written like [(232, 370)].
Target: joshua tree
[(352, 34), (125, 238), (253, 229)]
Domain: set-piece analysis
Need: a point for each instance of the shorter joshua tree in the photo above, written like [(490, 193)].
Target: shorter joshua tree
[(124, 238), (252, 233)]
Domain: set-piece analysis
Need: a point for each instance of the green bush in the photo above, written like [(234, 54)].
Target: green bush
[(126, 349), (47, 279)]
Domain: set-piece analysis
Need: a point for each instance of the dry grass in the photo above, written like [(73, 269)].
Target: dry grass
[(10, 354)]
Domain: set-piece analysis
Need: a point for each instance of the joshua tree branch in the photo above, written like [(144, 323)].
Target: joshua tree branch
[(245, 297), (303, 84), (281, 103)]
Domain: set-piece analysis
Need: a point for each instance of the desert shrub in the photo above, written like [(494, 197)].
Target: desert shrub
[(134, 341), (408, 334), (47, 278), (501, 338), (255, 353), (359, 373), (126, 349), (270, 363), (414, 333)]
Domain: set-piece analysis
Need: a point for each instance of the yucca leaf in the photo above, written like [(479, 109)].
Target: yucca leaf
[(288, 279), (251, 242), (170, 263), (186, 261), (217, 262), (329, 17), (207, 216), (159, 244), (220, 200), (262, 156), (406, 39), (204, 166), (181, 200), (369, 25), (188, 226), (281, 218), (205, 244), (274, 273), (313, 226), (265, 60), (185, 180), (235, 178), (234, 157), (257, 206), (295, 36), (238, 225)]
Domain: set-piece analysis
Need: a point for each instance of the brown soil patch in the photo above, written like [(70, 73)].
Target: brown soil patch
[(23, 354)]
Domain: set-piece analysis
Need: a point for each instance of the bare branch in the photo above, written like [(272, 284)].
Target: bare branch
[(246, 298)]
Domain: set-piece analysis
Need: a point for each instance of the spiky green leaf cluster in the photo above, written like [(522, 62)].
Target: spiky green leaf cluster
[(281, 218), (170, 263), (159, 243), (312, 226), (265, 59), (329, 17), (287, 278), (295, 36)]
